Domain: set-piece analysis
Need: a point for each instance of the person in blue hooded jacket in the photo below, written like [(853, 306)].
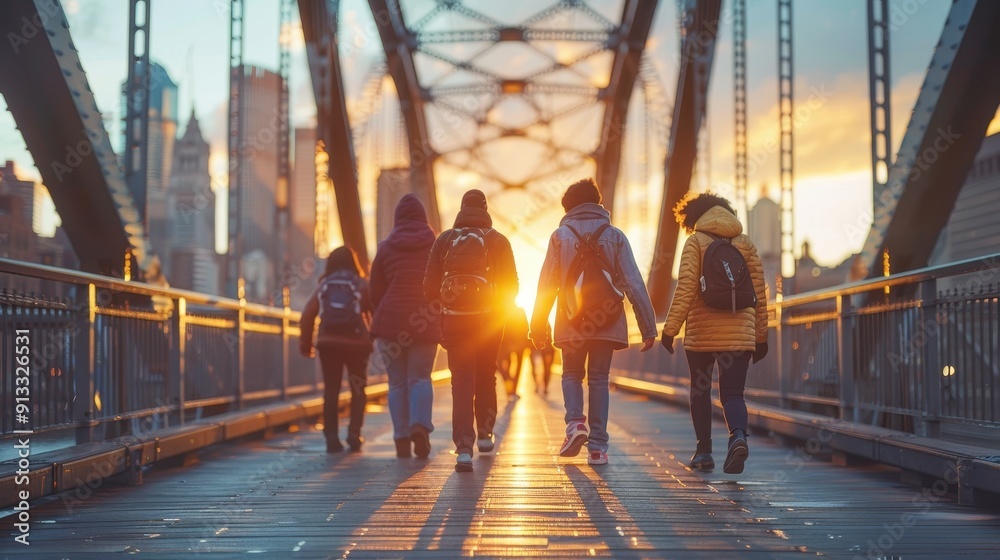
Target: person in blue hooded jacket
[(593, 346)]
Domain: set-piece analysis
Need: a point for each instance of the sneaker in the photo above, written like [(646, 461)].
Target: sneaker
[(738, 453), (597, 458), (464, 462), (702, 462), (575, 438), (485, 444), (355, 442), (421, 441)]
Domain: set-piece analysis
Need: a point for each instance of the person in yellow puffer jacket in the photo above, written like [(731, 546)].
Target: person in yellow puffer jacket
[(713, 335)]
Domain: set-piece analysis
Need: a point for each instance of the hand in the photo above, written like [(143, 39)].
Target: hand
[(760, 352), (541, 343), (306, 350), (667, 342), (647, 343)]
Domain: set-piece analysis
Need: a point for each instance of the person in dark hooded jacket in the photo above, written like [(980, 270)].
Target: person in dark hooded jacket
[(406, 334), (472, 338)]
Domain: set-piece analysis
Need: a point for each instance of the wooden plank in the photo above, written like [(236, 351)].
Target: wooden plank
[(286, 496)]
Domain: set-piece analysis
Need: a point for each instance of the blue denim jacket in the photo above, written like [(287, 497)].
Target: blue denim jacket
[(586, 218)]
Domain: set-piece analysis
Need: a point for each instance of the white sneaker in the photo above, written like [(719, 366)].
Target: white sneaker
[(597, 458), (575, 438), (485, 444), (464, 462)]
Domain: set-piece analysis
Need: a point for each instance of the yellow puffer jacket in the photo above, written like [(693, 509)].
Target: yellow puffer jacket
[(708, 329)]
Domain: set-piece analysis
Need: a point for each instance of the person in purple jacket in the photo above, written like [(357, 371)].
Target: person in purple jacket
[(406, 334)]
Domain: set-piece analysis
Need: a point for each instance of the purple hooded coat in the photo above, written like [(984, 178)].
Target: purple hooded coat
[(397, 275)]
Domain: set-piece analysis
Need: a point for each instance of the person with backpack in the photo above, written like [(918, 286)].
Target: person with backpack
[(405, 340), (472, 278), (341, 301), (720, 295), (589, 267)]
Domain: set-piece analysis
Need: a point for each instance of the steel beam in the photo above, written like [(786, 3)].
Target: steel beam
[(740, 105), (234, 255), (319, 25), (697, 51), (957, 100), (879, 98), (399, 44), (53, 106), (282, 213), (137, 90), (786, 104), (637, 18)]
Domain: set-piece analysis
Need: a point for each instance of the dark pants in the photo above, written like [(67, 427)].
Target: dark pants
[(732, 379), (473, 344), (333, 360)]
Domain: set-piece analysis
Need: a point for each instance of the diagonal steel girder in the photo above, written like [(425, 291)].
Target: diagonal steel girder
[(628, 44), (51, 101), (319, 25), (957, 100), (399, 44), (697, 51)]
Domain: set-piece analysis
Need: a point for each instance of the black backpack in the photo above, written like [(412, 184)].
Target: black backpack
[(725, 277), (590, 298), (467, 280), (340, 308)]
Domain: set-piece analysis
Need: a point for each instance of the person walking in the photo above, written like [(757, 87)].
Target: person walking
[(406, 336), (512, 349), (342, 303), (472, 276), (729, 336), (589, 267)]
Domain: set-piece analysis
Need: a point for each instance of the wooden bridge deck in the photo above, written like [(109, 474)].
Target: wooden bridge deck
[(286, 498)]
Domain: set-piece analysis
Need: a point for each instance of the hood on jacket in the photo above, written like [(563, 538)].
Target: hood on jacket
[(410, 229), (472, 216), (719, 221), (586, 211)]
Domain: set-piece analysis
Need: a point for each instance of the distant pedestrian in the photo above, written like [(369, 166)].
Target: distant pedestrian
[(728, 332), (471, 275), (344, 308), (590, 268), (406, 333), (542, 373), (512, 349)]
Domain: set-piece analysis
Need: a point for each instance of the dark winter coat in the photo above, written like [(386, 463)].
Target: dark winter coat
[(499, 255), (397, 277)]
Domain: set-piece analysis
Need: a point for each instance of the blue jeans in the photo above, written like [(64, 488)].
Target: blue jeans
[(411, 394), (596, 354)]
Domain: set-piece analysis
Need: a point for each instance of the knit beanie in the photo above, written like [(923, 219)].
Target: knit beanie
[(475, 199), (581, 192)]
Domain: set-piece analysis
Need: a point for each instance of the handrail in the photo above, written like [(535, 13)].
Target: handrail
[(45, 272)]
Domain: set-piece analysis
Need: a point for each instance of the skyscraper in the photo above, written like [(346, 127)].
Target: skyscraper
[(163, 116), (303, 187), (258, 181), (765, 230), (193, 262), (391, 185)]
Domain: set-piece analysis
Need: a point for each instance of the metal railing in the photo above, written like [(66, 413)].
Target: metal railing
[(917, 352), (109, 357)]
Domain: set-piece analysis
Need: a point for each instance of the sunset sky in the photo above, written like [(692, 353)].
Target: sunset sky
[(833, 180)]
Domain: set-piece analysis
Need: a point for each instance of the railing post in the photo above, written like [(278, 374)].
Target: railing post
[(780, 355), (285, 353), (932, 370), (85, 363), (240, 344), (178, 366), (845, 361)]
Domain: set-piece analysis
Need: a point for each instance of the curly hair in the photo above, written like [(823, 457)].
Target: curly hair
[(693, 206)]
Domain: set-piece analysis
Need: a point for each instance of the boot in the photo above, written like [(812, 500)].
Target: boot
[(738, 452), (702, 458), (403, 447)]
